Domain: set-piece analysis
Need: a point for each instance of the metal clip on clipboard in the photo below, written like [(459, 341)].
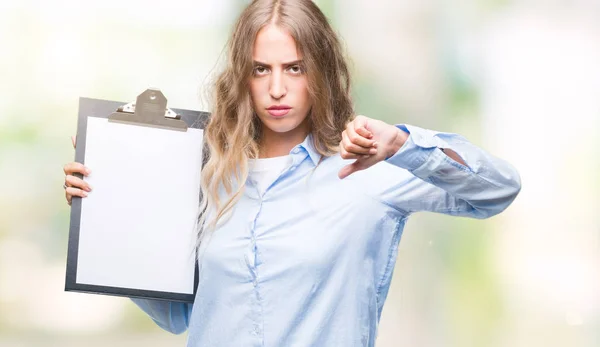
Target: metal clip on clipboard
[(150, 109)]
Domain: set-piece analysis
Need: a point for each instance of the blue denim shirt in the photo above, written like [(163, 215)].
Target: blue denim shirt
[(309, 263)]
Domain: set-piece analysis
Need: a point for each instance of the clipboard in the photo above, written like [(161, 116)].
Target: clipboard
[(134, 235)]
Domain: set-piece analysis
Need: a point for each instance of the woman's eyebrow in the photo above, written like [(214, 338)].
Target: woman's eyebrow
[(295, 62)]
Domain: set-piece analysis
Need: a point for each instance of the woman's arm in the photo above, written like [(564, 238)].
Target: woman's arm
[(462, 179), (428, 170), (171, 316)]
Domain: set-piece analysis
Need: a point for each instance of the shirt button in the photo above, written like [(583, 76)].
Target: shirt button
[(296, 150)]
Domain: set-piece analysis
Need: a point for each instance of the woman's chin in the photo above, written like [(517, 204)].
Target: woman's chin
[(289, 123), (280, 126)]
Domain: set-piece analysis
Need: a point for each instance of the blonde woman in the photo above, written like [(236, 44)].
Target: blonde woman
[(304, 202)]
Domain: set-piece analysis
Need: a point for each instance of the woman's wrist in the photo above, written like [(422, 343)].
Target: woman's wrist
[(398, 142)]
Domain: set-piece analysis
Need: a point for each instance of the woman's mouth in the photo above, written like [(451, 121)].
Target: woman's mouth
[(279, 110)]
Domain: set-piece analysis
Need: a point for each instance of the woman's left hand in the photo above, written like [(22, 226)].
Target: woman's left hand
[(369, 141)]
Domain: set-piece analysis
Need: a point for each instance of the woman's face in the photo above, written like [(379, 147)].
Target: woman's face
[(279, 86)]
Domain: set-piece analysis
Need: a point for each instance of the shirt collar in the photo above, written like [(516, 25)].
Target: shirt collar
[(309, 146)]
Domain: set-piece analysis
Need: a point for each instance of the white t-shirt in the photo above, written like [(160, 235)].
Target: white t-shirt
[(264, 171)]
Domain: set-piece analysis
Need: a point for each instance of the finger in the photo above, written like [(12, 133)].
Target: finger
[(74, 140), (75, 167), (356, 149), (72, 191), (357, 138), (361, 125), (358, 165), (347, 155), (364, 132), (77, 183)]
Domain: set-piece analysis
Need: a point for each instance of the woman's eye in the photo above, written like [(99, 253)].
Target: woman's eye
[(260, 70), (296, 69)]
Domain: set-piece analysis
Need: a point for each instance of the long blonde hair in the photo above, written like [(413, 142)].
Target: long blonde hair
[(233, 131)]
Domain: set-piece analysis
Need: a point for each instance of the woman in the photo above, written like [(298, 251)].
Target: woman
[(304, 202)]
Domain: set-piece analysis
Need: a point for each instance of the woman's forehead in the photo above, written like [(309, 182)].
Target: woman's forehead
[(274, 45)]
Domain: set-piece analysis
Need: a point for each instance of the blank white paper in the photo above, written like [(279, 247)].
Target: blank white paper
[(137, 225)]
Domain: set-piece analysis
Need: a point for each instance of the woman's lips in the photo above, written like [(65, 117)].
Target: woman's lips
[(278, 111)]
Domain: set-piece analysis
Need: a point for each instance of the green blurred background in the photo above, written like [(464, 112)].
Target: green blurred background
[(520, 78)]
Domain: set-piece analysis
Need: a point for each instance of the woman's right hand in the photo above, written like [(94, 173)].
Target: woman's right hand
[(75, 186)]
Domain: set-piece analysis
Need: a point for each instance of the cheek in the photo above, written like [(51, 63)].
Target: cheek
[(303, 93), (257, 91), (252, 87)]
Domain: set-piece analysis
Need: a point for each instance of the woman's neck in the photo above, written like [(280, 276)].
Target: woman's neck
[(273, 144)]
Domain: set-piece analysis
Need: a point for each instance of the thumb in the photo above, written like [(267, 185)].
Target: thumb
[(74, 140), (359, 164), (346, 171)]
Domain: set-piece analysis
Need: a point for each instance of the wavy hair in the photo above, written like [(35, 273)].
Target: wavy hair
[(233, 131)]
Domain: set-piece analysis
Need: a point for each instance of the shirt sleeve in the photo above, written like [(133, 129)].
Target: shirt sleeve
[(483, 188), (169, 315)]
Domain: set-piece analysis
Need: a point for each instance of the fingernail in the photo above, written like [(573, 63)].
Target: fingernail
[(89, 188), (84, 194), (88, 171), (373, 151), (375, 144)]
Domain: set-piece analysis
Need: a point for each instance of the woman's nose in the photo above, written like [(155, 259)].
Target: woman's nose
[(277, 87)]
